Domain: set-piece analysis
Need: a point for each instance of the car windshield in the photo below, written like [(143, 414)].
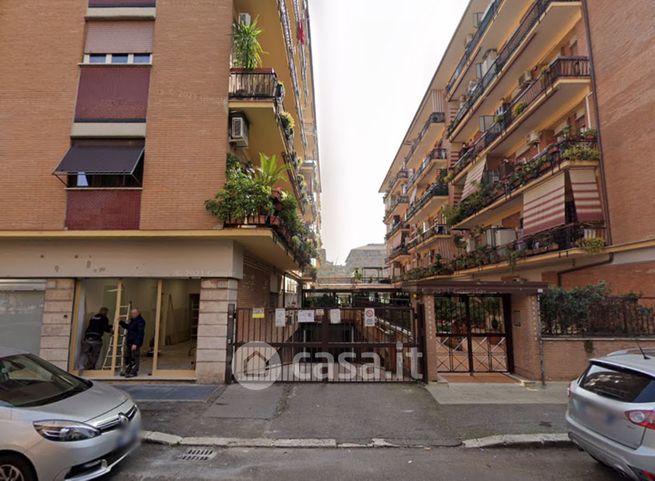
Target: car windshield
[(26, 380)]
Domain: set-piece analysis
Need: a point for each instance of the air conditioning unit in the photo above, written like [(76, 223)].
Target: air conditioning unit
[(244, 18), (526, 77), (239, 131), (500, 236), (533, 137)]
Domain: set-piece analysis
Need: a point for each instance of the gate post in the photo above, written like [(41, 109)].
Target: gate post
[(429, 341), (229, 355)]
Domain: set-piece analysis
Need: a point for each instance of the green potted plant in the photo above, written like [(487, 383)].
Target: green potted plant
[(288, 124), (519, 108), (246, 49)]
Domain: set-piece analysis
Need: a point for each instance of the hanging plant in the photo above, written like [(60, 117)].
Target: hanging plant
[(287, 121), (246, 49)]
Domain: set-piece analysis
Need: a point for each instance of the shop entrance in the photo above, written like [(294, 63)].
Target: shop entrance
[(170, 308)]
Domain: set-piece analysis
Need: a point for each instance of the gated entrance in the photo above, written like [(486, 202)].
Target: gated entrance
[(473, 333), (376, 344)]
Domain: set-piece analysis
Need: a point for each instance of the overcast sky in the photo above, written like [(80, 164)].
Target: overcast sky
[(373, 61)]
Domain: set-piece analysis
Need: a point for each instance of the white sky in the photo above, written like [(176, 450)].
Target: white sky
[(373, 61)]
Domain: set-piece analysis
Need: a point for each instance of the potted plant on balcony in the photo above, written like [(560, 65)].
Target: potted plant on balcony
[(288, 123), (581, 152), (588, 134), (519, 108), (246, 49)]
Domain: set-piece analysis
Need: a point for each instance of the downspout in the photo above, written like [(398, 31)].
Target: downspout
[(603, 190), (542, 365), (609, 260)]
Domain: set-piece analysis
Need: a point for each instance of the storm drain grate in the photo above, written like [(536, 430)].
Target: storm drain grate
[(198, 454)]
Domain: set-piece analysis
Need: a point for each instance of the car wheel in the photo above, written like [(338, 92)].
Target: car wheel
[(15, 468)]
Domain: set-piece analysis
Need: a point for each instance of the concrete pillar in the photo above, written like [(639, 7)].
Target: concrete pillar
[(431, 337), (57, 321), (215, 296)]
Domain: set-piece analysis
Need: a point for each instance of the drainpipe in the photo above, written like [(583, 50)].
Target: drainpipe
[(542, 366), (603, 190)]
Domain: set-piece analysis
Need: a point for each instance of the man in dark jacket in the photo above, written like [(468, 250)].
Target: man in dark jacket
[(92, 343), (136, 330)]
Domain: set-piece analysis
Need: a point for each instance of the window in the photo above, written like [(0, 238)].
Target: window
[(83, 180), (119, 58), (142, 58), (97, 58), (618, 383)]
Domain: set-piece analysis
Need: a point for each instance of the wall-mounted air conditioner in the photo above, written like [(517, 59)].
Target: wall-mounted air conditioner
[(244, 18), (533, 137), (239, 130), (525, 78)]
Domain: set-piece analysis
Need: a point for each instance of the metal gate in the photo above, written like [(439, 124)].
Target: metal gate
[(380, 344), (473, 333)]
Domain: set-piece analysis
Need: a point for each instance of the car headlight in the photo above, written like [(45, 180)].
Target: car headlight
[(56, 430)]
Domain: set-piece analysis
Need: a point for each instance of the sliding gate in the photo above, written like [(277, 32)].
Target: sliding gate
[(473, 333), (380, 344)]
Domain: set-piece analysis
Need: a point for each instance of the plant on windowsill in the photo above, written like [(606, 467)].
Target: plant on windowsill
[(581, 152), (591, 245), (246, 49)]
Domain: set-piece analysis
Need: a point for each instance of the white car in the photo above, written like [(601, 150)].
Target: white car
[(55, 426)]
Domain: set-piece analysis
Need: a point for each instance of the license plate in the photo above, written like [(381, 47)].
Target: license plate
[(597, 414)]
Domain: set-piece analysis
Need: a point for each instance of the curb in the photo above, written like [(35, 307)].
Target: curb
[(520, 440)]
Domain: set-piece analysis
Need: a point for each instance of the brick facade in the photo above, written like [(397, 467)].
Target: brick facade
[(57, 321), (103, 209)]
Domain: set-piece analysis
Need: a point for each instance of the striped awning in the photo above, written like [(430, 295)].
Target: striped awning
[(585, 195), (543, 206), (473, 178)]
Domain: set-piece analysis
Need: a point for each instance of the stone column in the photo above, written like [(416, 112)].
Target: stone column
[(431, 339), (215, 296), (57, 321)]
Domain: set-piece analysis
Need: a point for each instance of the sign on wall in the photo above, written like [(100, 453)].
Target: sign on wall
[(306, 315), (369, 317), (280, 317), (258, 313), (335, 316)]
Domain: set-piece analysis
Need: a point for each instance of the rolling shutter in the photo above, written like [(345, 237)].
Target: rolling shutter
[(119, 37), (585, 195)]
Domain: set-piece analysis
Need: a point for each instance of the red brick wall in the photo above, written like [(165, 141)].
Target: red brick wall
[(623, 51), (103, 209), (566, 359), (41, 44), (186, 142)]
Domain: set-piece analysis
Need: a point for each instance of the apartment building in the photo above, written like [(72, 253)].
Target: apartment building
[(112, 143), (526, 165)]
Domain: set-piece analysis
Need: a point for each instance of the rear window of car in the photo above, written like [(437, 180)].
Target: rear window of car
[(618, 383)]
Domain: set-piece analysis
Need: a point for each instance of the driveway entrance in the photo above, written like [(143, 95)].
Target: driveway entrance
[(473, 333), (377, 344)]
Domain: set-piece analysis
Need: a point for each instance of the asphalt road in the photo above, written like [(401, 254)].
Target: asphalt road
[(158, 463)]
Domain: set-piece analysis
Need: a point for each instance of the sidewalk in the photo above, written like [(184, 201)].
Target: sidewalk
[(356, 414)]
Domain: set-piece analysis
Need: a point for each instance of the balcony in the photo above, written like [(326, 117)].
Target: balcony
[(433, 198), (565, 82), (435, 231), (438, 158), (394, 204), (397, 252), (516, 56), (258, 84), (401, 174), (426, 138), (399, 226), (505, 192)]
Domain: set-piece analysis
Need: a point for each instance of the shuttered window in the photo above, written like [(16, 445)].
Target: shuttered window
[(107, 94), (119, 37), (473, 178)]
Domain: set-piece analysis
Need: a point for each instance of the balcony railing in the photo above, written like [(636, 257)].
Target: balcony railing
[(401, 174), (401, 199), (564, 67), (398, 251), (435, 118), (434, 230), (482, 28), (436, 189), (520, 34), (398, 226), (436, 154), (254, 84)]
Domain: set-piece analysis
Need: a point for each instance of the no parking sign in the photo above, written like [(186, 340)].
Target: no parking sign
[(369, 317)]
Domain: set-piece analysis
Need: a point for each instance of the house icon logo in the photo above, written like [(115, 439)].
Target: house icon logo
[(256, 365)]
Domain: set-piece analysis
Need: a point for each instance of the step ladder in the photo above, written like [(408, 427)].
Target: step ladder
[(123, 315)]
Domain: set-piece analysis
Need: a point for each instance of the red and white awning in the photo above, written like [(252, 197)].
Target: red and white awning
[(473, 178), (586, 196), (543, 206)]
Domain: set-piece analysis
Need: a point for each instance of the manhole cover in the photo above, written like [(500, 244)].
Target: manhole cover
[(198, 454)]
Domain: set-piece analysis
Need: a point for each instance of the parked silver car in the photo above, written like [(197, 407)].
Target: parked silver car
[(56, 426), (611, 412)]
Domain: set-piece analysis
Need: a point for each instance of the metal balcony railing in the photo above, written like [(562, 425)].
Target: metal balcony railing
[(436, 189), (254, 84), (562, 67), (529, 21)]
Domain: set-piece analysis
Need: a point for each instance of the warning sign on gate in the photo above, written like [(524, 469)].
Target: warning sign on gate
[(369, 317), (258, 313), (306, 316), (280, 317)]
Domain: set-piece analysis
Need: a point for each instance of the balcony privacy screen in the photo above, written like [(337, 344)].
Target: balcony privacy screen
[(585, 194), (109, 94), (101, 157), (473, 178), (119, 37), (543, 206)]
